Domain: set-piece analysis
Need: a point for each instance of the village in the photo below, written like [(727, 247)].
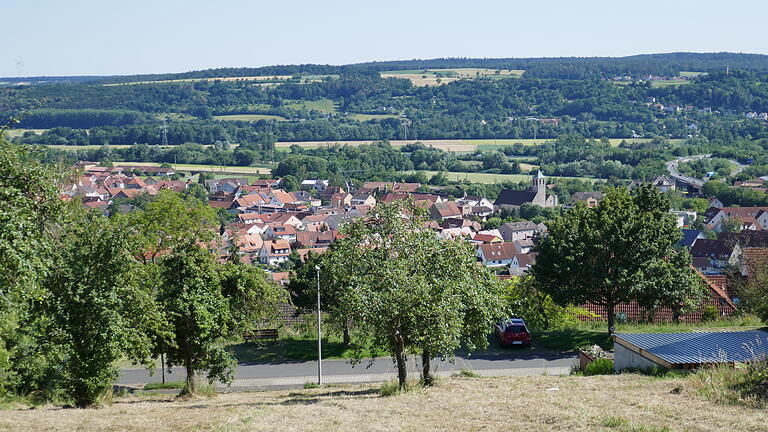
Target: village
[(270, 227)]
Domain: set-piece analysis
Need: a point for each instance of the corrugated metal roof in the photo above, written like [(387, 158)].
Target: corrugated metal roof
[(700, 347)]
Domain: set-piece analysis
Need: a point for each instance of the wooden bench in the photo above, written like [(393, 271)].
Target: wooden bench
[(260, 335)]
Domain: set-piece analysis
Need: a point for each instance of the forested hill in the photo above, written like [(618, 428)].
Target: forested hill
[(667, 64)]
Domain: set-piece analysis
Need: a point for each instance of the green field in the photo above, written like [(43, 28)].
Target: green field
[(488, 178), (432, 77), (668, 83), (366, 117), (691, 74), (249, 117), (325, 105), (13, 133), (207, 168)]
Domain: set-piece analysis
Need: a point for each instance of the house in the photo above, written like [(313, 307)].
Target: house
[(497, 254), (283, 232), (536, 194), (274, 252), (690, 236), (486, 239), (363, 199), (663, 183), (684, 217), (445, 210), (340, 199), (521, 263), (746, 217), (590, 199), (512, 231), (394, 187), (318, 185), (474, 205), (524, 246), (714, 256)]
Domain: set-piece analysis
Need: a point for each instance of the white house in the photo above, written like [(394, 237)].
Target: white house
[(497, 254), (274, 252)]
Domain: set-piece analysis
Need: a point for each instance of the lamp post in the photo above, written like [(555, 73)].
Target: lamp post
[(319, 334)]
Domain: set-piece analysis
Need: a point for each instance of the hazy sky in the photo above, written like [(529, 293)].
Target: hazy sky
[(106, 37)]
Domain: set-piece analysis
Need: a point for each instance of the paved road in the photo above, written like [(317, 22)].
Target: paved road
[(271, 375), (696, 182)]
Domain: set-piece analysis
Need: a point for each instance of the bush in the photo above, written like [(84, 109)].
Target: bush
[(601, 366), (466, 373), (710, 313)]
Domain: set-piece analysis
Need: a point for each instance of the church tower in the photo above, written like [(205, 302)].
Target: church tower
[(539, 182)]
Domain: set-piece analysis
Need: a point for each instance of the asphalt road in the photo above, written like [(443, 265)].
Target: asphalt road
[(270, 375), (675, 173)]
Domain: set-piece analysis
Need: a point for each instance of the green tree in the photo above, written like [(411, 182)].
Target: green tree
[(99, 307), (199, 316), (30, 217), (408, 291), (168, 220), (603, 255)]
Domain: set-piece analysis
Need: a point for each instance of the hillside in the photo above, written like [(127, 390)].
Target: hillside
[(606, 403)]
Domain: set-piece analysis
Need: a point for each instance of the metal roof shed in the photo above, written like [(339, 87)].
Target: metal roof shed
[(687, 350)]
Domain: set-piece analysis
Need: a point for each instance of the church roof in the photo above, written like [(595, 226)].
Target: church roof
[(515, 197)]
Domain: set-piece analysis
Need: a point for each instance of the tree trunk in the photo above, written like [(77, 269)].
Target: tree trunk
[(191, 387), (400, 359), (347, 339), (426, 372), (610, 310)]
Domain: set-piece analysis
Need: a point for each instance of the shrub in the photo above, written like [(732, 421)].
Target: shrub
[(710, 313), (466, 373), (311, 385), (164, 386), (601, 366)]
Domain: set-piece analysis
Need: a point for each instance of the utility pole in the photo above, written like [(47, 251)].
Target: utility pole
[(319, 334), (164, 133)]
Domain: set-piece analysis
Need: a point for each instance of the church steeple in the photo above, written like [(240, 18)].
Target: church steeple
[(539, 181)]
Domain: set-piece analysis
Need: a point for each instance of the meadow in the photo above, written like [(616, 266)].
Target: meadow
[(621, 403), (206, 168), (249, 117), (432, 77)]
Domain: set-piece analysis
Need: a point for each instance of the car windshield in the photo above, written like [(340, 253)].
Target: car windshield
[(514, 329)]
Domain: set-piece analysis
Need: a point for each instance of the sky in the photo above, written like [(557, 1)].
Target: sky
[(113, 37)]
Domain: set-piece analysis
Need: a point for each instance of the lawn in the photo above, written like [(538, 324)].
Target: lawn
[(595, 333), (249, 117), (13, 133), (623, 403)]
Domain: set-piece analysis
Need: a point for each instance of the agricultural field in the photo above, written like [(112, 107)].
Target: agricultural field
[(433, 77), (207, 168), (366, 117), (249, 117), (691, 74), (488, 178), (459, 145), (323, 105), (13, 133), (668, 83)]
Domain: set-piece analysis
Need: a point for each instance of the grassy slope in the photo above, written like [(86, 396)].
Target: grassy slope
[(602, 403)]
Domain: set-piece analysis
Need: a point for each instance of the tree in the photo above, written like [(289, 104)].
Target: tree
[(99, 308), (198, 314), (168, 220), (603, 255), (207, 303), (30, 217), (407, 290)]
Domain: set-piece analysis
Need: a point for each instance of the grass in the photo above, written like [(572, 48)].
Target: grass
[(13, 133), (367, 117), (596, 333), (488, 178), (168, 385), (668, 83), (745, 384), (294, 347), (249, 117), (627, 402), (325, 105), (433, 77), (208, 168)]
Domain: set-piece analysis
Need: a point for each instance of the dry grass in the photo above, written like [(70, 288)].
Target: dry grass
[(619, 403)]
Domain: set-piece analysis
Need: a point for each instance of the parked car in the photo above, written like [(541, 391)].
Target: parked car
[(513, 331)]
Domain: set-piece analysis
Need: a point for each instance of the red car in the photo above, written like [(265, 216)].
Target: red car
[(513, 331)]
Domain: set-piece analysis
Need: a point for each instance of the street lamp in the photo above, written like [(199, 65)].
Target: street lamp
[(319, 334)]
